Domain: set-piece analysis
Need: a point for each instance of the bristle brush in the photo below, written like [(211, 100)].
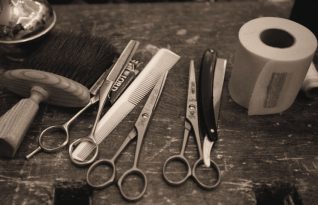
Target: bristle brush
[(80, 59)]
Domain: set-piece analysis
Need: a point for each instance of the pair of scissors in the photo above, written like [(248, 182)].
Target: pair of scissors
[(99, 92), (191, 126), (138, 131)]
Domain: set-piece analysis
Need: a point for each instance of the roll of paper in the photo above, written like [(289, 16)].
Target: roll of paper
[(271, 62)]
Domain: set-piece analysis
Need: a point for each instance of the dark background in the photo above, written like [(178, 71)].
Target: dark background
[(132, 1), (304, 11)]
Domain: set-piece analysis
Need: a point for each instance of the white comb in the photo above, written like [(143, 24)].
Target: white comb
[(160, 63)]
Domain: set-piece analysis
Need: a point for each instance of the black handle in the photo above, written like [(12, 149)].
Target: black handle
[(208, 123)]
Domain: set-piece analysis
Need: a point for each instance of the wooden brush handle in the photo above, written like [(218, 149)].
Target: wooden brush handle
[(63, 91), (54, 89), (15, 122)]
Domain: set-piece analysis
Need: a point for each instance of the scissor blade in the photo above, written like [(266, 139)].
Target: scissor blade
[(123, 60), (157, 90), (116, 68), (192, 106), (98, 83), (192, 92), (151, 102), (159, 87)]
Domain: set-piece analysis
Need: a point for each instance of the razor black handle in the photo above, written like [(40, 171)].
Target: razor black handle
[(206, 78)]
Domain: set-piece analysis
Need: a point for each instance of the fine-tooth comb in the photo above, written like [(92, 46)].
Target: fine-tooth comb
[(162, 61)]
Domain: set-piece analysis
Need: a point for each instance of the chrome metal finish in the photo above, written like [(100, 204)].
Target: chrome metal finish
[(24, 20)]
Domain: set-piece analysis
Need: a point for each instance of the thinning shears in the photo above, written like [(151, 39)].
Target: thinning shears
[(99, 93), (138, 131), (191, 127)]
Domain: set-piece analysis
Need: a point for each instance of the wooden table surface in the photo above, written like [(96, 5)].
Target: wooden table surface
[(259, 156)]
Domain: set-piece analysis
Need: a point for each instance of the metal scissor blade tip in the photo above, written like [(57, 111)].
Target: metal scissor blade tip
[(117, 67), (123, 60), (192, 64), (191, 71)]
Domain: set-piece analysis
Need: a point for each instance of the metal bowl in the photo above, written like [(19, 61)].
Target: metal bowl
[(22, 22)]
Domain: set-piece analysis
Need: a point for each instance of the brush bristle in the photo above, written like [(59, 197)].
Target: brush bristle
[(79, 57)]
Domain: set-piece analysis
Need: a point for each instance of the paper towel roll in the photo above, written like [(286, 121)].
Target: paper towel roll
[(271, 62)]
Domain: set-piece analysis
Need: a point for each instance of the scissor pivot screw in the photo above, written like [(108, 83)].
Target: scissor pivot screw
[(192, 109), (212, 130), (145, 115)]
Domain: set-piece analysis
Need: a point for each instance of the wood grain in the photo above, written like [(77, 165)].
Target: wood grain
[(61, 91), (14, 125), (251, 151), (41, 86)]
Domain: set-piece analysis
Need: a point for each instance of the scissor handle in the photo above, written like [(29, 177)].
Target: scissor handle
[(213, 167), (174, 159), (87, 161), (51, 130), (140, 174), (101, 163)]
